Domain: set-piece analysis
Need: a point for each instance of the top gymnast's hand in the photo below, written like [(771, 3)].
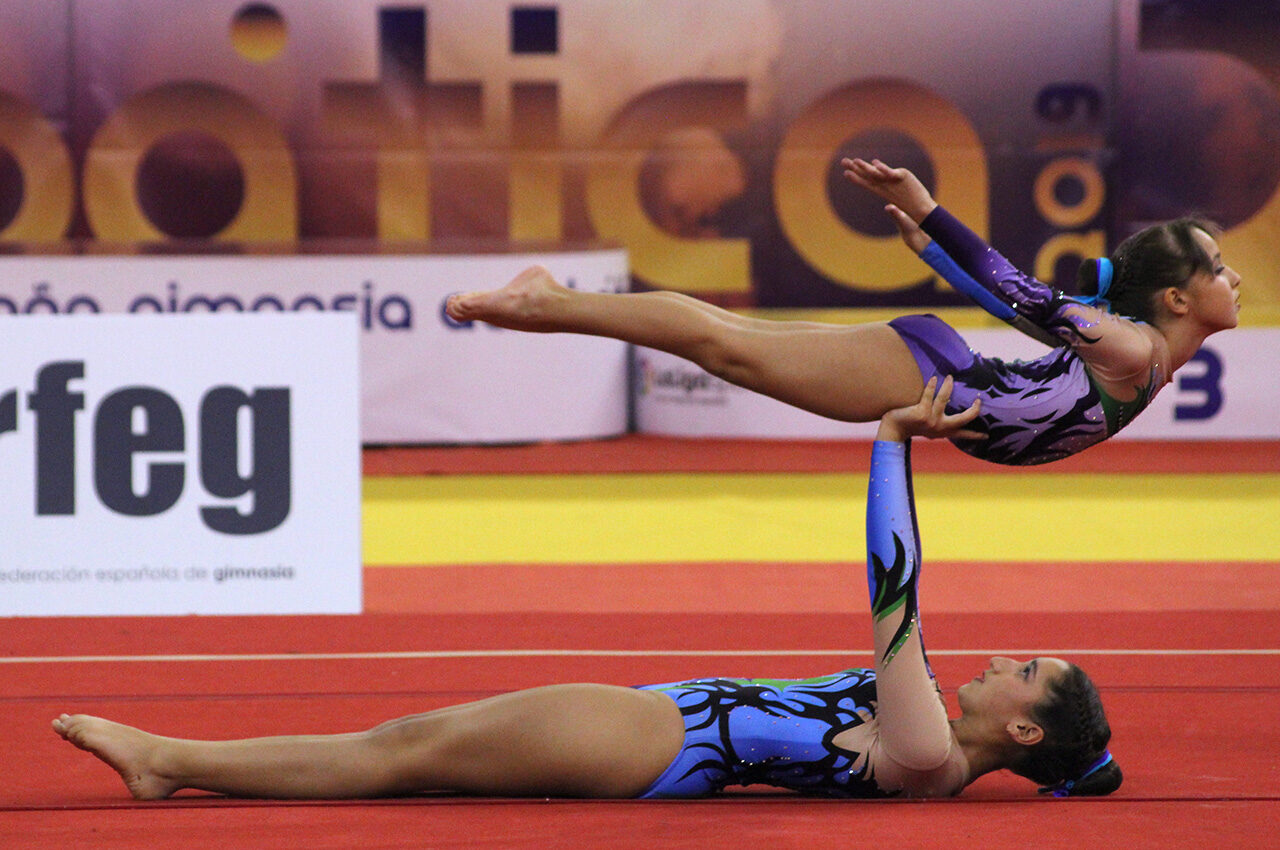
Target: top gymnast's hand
[(898, 186)]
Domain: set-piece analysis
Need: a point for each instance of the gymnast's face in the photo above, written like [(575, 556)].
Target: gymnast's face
[(1008, 688), (1215, 297)]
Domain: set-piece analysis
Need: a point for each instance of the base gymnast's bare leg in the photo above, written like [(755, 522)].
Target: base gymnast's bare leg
[(561, 740), (854, 373)]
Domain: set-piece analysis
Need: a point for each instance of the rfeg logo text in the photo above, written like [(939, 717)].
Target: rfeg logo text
[(134, 421)]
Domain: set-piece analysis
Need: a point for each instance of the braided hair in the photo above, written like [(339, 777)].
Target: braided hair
[(1071, 757), (1149, 262)]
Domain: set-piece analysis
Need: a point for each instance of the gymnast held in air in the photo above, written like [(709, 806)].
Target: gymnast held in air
[(869, 733), (1151, 304)]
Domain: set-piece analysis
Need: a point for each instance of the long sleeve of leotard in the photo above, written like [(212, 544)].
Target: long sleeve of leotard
[(914, 731), (940, 261), (1113, 346), (990, 272)]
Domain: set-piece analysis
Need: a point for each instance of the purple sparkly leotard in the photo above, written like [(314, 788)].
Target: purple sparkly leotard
[(858, 733), (1033, 411)]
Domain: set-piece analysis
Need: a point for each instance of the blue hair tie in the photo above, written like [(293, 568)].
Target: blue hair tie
[(1063, 789), (1105, 272)]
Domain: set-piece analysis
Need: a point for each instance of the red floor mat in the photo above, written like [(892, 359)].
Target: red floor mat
[(644, 453), (1169, 680), (779, 825)]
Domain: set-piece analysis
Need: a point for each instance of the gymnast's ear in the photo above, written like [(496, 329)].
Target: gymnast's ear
[(1024, 731), (1174, 299)]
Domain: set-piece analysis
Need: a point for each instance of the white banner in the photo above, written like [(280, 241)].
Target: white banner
[(179, 465), (424, 378), (1228, 391)]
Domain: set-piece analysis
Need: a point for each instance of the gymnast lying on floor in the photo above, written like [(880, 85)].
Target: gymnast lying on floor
[(878, 732)]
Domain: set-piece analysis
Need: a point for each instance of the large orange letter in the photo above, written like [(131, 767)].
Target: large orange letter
[(48, 179), (804, 159), (269, 212), (613, 189)]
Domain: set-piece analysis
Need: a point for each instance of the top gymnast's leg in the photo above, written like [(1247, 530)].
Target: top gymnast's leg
[(854, 373)]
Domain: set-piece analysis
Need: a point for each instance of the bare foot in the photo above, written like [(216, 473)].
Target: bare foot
[(524, 304), (129, 751)]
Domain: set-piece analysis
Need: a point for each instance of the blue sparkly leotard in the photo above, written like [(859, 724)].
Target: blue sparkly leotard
[(1033, 411), (858, 733)]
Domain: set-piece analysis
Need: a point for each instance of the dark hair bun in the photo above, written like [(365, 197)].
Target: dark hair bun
[(1087, 277), (1101, 782)]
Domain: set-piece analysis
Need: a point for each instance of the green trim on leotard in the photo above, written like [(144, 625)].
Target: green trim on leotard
[(1120, 413)]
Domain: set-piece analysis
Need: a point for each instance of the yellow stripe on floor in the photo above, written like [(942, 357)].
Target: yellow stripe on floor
[(651, 518)]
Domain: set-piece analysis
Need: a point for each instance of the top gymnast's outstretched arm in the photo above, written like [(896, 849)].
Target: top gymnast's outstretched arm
[(938, 260), (913, 719), (996, 277), (1115, 347)]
